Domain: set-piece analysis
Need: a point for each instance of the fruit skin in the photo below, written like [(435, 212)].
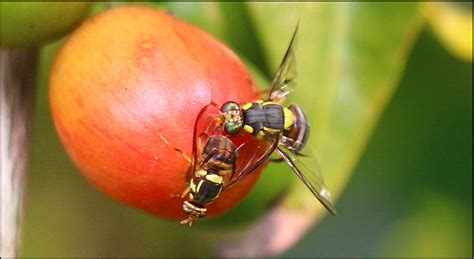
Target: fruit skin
[(127, 75), (30, 24)]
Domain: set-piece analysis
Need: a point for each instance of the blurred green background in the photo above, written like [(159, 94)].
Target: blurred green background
[(410, 194)]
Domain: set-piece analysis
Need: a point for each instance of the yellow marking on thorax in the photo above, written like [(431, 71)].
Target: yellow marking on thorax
[(267, 103), (248, 129), (214, 178), (245, 106), (289, 118)]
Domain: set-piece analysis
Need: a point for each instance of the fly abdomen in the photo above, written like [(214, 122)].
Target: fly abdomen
[(206, 188), (297, 135)]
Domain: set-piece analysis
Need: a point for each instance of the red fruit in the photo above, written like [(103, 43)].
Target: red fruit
[(127, 75)]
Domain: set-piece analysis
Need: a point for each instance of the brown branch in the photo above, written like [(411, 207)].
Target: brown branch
[(18, 77)]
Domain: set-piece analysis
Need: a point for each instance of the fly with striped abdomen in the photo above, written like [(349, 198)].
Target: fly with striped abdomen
[(214, 165), (218, 160), (285, 129)]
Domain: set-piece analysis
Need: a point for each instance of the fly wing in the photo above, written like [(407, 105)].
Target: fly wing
[(285, 77), (251, 154), (204, 127), (307, 169)]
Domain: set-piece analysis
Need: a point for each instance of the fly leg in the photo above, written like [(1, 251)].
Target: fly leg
[(185, 192), (181, 152)]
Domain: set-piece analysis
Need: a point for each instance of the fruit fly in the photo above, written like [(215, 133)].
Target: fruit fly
[(285, 128), (214, 166), (218, 160)]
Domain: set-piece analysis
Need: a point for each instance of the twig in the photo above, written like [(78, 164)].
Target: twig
[(18, 74)]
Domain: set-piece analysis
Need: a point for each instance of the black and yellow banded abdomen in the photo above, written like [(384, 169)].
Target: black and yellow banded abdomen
[(297, 135), (206, 188)]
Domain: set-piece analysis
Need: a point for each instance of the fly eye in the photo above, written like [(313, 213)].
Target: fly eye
[(233, 127), (230, 106)]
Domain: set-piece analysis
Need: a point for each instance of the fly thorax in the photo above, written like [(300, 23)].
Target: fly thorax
[(254, 117)]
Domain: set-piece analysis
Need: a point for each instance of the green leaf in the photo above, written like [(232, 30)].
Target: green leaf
[(350, 57), (229, 22), (438, 228), (452, 24)]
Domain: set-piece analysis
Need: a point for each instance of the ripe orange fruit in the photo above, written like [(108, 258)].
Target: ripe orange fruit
[(124, 77)]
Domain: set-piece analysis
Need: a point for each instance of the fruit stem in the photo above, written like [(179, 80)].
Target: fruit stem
[(18, 76)]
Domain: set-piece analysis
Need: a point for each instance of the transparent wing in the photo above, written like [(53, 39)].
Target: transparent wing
[(285, 77), (252, 153), (307, 169), (204, 127)]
